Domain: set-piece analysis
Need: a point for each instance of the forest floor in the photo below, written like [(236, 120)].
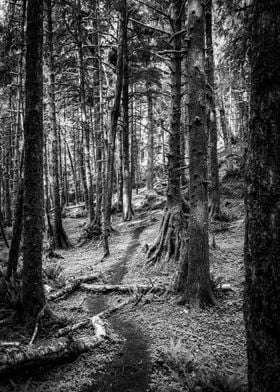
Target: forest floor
[(158, 345)]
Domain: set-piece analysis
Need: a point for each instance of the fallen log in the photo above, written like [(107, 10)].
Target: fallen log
[(123, 289), (71, 286), (19, 358), (89, 321)]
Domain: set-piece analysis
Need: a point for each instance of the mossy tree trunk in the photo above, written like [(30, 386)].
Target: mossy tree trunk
[(85, 148), (215, 211), (262, 238), (127, 188), (115, 113), (150, 146), (59, 239), (171, 239), (33, 297), (197, 290)]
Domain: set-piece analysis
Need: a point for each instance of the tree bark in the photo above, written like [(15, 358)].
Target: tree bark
[(198, 289), (262, 238), (112, 142), (17, 232), (150, 146), (33, 356), (127, 188), (33, 297), (60, 239), (214, 164), (171, 239)]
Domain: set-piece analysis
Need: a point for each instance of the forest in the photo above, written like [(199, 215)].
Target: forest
[(140, 195)]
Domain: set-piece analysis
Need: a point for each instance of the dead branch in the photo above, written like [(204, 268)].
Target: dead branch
[(123, 289)]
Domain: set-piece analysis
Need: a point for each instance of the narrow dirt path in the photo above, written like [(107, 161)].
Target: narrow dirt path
[(129, 370)]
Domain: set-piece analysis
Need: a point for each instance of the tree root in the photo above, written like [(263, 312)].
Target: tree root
[(92, 231), (168, 244)]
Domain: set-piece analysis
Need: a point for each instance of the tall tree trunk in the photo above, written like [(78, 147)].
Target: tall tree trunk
[(226, 136), (87, 174), (7, 177), (262, 239), (198, 288), (33, 297), (214, 164), (115, 112), (127, 189), (171, 241), (150, 146), (60, 239)]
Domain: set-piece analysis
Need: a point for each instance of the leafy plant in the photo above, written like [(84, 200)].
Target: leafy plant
[(55, 273)]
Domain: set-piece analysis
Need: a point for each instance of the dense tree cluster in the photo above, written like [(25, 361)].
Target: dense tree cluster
[(100, 98)]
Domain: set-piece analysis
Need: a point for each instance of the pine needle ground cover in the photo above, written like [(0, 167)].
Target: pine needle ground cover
[(155, 344)]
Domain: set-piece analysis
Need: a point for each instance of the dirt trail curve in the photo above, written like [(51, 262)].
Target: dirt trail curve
[(129, 370)]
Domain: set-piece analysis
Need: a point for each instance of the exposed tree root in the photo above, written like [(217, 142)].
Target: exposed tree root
[(92, 231), (62, 240), (57, 236), (169, 242)]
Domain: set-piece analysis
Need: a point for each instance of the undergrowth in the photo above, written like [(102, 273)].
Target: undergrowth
[(194, 372)]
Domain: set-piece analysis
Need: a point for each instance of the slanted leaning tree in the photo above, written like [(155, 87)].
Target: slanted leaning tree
[(262, 239), (33, 297)]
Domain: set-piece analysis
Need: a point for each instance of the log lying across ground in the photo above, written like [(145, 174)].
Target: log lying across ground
[(123, 289), (72, 286), (91, 321), (19, 358)]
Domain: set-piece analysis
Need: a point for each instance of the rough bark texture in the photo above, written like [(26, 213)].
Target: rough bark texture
[(214, 164), (16, 238), (112, 142), (150, 145), (262, 241), (31, 357), (174, 224), (226, 136), (60, 239), (198, 289), (33, 297), (127, 189)]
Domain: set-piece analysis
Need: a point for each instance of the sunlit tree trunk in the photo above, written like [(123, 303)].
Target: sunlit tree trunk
[(33, 297), (262, 238)]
